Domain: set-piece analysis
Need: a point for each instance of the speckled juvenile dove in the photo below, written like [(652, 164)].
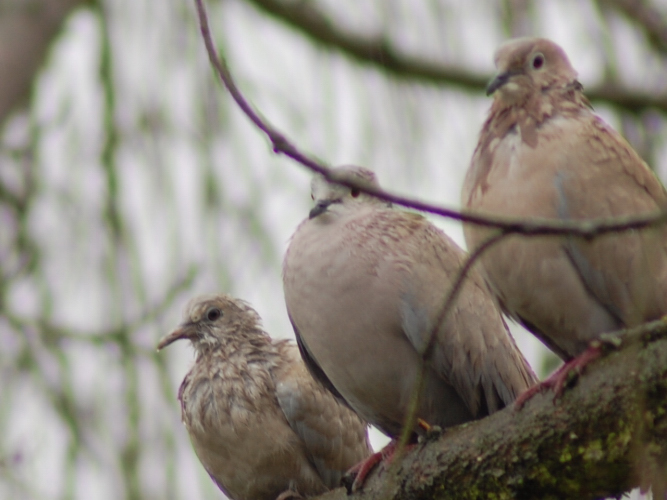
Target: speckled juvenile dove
[(261, 426), (542, 152), (364, 285)]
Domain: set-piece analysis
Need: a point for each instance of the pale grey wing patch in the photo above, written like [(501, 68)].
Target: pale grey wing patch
[(318, 444), (415, 322), (448, 360), (596, 283), (501, 392), (497, 392), (486, 376), (563, 209), (504, 372)]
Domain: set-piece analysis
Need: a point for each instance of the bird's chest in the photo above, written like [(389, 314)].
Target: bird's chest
[(343, 255), (226, 399), (250, 454), (519, 179)]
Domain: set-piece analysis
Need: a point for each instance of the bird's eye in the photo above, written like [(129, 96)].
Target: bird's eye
[(213, 313), (355, 193), (538, 61)]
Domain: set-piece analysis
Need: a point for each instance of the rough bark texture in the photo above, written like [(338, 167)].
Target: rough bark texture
[(27, 28), (606, 435)]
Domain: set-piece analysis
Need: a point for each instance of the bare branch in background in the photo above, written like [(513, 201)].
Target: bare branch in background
[(534, 227), (52, 333), (646, 16), (376, 51), (27, 30), (516, 17)]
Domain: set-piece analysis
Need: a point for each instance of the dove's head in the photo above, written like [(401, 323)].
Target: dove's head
[(211, 321), (527, 66), (326, 193)]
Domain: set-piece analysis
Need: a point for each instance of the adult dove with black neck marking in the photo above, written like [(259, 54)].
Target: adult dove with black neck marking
[(542, 152), (364, 287)]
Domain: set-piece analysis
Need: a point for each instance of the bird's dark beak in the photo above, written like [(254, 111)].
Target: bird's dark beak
[(185, 331), (499, 80), (319, 208)]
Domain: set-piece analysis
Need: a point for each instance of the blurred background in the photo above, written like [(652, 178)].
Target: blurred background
[(130, 182)]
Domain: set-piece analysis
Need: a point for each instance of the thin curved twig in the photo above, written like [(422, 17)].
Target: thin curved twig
[(532, 227), (447, 304), (507, 226), (456, 288)]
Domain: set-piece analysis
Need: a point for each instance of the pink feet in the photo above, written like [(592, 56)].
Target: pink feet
[(289, 495), (558, 379), (362, 469)]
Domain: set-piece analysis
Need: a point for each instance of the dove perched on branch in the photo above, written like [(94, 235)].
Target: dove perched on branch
[(261, 426), (542, 152), (364, 287)]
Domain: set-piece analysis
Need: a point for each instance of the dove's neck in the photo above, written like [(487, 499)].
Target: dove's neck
[(542, 103), (242, 342), (527, 115)]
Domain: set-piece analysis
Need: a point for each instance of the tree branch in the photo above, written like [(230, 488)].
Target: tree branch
[(26, 32), (602, 438), (532, 227), (646, 16), (52, 334), (447, 304), (376, 51)]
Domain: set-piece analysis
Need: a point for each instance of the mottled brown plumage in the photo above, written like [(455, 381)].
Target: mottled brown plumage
[(364, 285), (542, 152), (257, 420)]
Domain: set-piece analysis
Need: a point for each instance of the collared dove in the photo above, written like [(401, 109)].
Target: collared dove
[(542, 152), (261, 426), (364, 286)]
